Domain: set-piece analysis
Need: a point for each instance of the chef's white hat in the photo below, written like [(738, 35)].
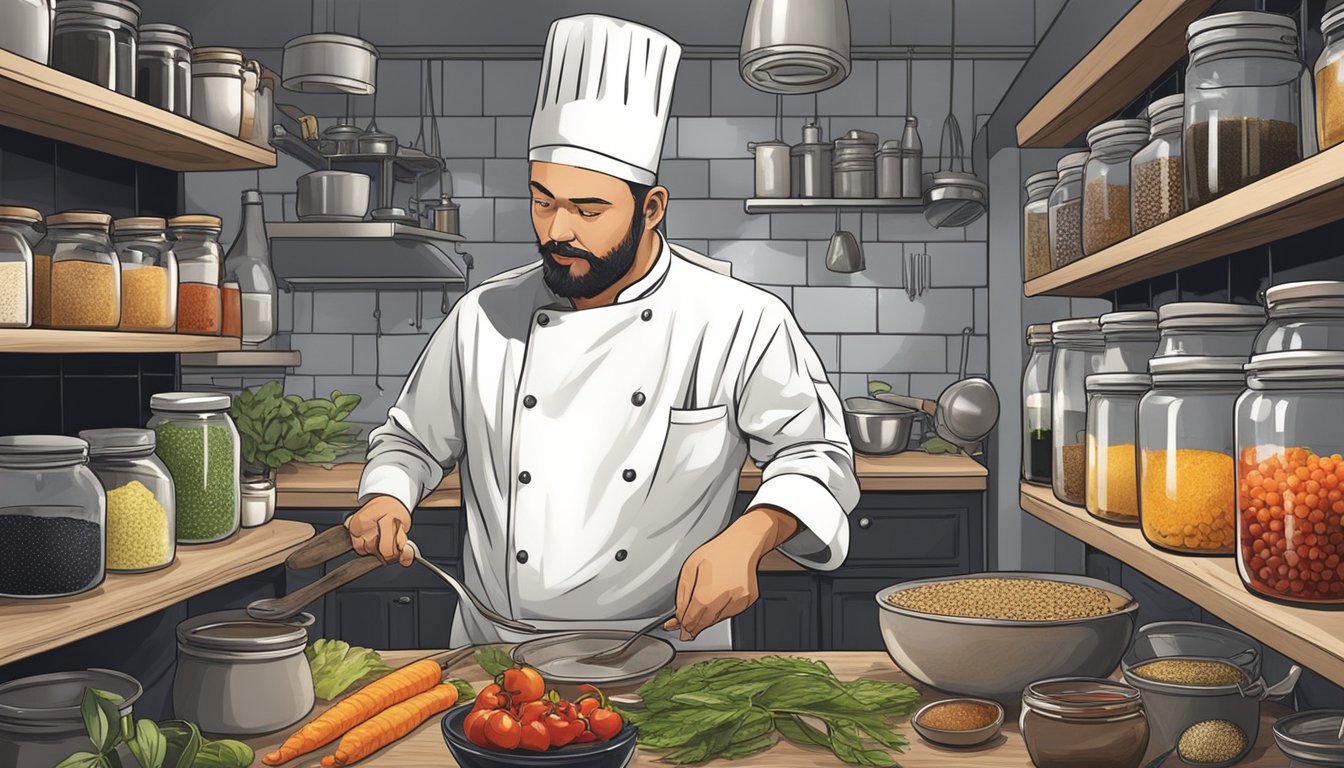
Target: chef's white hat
[(604, 97)]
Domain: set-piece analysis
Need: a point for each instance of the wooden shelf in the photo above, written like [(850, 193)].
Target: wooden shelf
[(51, 341), (246, 358), (1312, 638), (40, 100), (1294, 200), (34, 626), (1141, 46), (822, 204)]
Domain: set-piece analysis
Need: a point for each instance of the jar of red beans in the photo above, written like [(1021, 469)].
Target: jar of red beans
[(1290, 477)]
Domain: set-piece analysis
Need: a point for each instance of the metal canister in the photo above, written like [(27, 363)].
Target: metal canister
[(811, 165), (445, 216), (889, 169), (772, 167), (854, 170)]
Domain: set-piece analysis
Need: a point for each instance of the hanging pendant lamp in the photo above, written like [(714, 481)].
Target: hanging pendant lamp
[(795, 46)]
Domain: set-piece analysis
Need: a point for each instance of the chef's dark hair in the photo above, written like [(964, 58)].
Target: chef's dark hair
[(641, 194)]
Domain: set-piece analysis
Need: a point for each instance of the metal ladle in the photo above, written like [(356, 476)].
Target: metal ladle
[(965, 413)]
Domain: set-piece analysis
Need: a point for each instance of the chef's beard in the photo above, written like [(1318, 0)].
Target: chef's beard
[(602, 272)]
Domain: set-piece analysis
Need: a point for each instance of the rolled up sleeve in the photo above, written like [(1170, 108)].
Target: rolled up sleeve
[(792, 418), (422, 438)]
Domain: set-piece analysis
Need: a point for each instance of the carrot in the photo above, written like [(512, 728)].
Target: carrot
[(390, 724), (359, 706)]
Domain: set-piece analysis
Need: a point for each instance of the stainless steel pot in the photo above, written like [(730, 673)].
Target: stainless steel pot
[(27, 28), (964, 414), (327, 63), (40, 722), (333, 196), (376, 142), (240, 676), (340, 139), (795, 46), (877, 428), (772, 168)]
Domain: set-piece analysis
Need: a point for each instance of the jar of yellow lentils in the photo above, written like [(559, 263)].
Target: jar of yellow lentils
[(1112, 483), (141, 523), (1187, 475), (76, 275)]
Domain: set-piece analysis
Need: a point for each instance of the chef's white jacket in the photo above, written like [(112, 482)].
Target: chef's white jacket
[(598, 448)]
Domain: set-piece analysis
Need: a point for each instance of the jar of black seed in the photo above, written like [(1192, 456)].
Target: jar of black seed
[(53, 517)]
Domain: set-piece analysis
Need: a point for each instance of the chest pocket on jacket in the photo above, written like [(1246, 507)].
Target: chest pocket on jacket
[(697, 440)]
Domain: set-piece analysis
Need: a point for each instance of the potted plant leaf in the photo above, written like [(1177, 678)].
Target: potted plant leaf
[(278, 429)]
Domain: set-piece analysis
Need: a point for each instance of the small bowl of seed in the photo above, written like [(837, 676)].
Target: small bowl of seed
[(961, 722), (1213, 744)]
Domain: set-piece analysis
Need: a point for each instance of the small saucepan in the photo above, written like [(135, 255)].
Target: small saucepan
[(333, 196), (878, 428), (964, 414)]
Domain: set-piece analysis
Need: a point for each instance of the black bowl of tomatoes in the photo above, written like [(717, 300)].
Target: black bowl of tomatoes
[(515, 723)]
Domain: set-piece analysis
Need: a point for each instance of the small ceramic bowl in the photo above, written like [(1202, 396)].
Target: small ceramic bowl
[(972, 738), (615, 753)]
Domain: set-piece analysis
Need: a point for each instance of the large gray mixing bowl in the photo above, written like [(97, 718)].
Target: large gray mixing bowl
[(996, 659)]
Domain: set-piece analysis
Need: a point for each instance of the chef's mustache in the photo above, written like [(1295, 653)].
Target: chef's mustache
[(557, 248)]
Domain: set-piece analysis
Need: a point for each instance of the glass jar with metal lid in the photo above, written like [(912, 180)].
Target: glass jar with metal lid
[(1036, 224), (1242, 102), (1208, 328), (95, 40), (1290, 475), (16, 266), (76, 275), (52, 517), (217, 88), (198, 442), (1306, 315), (1112, 474), (1329, 74), (1066, 210), (1157, 192), (148, 274), (199, 260), (1077, 355), (1187, 478), (163, 68), (1068, 722), (1106, 182), (140, 499), (1131, 339), (1036, 445)]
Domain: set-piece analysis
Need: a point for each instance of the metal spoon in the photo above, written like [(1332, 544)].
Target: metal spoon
[(466, 594), (618, 651)]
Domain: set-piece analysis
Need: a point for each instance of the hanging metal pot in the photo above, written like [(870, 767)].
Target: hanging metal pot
[(328, 63), (795, 46)]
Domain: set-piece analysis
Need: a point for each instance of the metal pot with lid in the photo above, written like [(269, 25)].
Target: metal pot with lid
[(40, 720), (330, 63), (795, 47)]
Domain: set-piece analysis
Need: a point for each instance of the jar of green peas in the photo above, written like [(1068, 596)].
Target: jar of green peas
[(199, 444)]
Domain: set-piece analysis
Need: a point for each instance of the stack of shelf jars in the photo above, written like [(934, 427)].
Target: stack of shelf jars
[(1129, 339)]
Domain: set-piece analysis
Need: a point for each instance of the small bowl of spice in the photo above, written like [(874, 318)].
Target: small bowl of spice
[(1213, 744), (959, 722)]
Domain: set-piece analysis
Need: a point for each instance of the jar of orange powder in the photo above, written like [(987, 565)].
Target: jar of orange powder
[(1290, 477)]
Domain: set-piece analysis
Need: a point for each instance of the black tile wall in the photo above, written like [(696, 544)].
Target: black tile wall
[(1204, 282), (63, 394)]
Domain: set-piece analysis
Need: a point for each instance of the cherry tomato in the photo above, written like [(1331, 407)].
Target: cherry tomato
[(604, 723), (561, 730), (587, 737), (502, 731), (533, 711), (588, 706), (490, 697), (474, 726), (535, 737), (524, 684)]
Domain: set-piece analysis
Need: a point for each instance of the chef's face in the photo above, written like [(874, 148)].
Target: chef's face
[(589, 226)]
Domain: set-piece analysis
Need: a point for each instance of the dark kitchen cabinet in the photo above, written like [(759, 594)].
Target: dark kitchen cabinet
[(849, 619), (785, 616)]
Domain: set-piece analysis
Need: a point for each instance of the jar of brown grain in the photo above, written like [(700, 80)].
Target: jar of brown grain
[(1330, 80), (1066, 210), (1036, 224), (1106, 182), (76, 276), (1077, 355), (1158, 191), (148, 274), (196, 244)]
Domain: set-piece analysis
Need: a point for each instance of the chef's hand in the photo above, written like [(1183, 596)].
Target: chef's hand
[(379, 528), (718, 580)]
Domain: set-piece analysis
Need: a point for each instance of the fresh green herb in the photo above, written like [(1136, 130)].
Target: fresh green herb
[(276, 429), (937, 445), (170, 744), (878, 387), (731, 708), (494, 659), (464, 690), (337, 665)]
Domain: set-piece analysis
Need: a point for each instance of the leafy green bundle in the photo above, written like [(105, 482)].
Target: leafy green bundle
[(337, 665), (276, 429), (731, 708), (170, 744)]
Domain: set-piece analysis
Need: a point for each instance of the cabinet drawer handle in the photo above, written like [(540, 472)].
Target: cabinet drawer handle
[(403, 600), (865, 522)]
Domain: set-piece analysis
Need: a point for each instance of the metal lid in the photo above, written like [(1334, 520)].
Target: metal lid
[(119, 441), (1085, 698), (235, 631), (80, 219), (190, 402), (1198, 369), (1310, 294), (1142, 322), (1042, 177), (217, 56), (890, 148), (164, 34), (139, 224), (1301, 365), (856, 139), (325, 38), (1243, 31), (41, 699), (1071, 161), (195, 221), (31, 215), (1039, 333), (42, 451), (1077, 328), (1209, 314), (1118, 382), (1311, 736), (1118, 132), (1332, 19), (1164, 106), (68, 11)]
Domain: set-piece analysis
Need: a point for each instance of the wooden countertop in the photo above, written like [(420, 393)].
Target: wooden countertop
[(425, 748), (313, 486), (33, 626)]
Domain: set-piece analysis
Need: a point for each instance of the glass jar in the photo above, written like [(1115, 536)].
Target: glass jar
[(1077, 355), (1242, 102), (52, 517), (1157, 170), (76, 274), (1066, 210), (248, 263), (231, 301), (27, 29), (163, 69), (140, 499), (1290, 434), (1083, 721), (1131, 340), (148, 274), (1112, 464), (1106, 182), (1036, 224), (1187, 481), (1307, 315), (16, 266), (199, 260), (1036, 456), (1208, 328), (198, 442), (1330, 80), (217, 88), (95, 40)]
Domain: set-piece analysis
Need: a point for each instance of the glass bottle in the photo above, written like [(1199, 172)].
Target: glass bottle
[(148, 274), (248, 263), (1036, 457), (16, 266), (1036, 259), (1066, 210), (76, 273), (1078, 354), (196, 243)]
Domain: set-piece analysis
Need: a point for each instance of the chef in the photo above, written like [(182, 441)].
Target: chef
[(599, 404)]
